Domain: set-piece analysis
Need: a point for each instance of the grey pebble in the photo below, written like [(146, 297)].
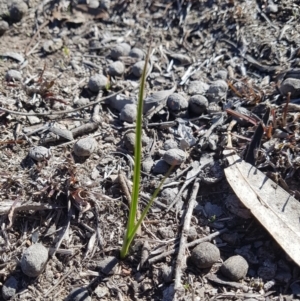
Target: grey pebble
[(174, 156), (170, 143), (147, 165), (3, 27), (101, 291), (33, 119), (121, 49), (116, 68), (168, 194), (221, 74), (217, 90), (272, 8), (192, 234), (160, 167), (205, 255), (198, 104), (97, 82), (108, 265), (166, 232), (13, 75), (17, 10), (176, 102), (118, 102), (291, 85), (138, 67), (129, 140), (197, 87), (9, 288), (34, 260), (235, 268), (81, 101), (129, 113), (85, 147), (79, 294), (39, 153), (49, 46), (93, 4), (136, 53)]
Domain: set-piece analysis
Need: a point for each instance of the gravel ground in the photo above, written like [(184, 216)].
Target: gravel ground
[(70, 76)]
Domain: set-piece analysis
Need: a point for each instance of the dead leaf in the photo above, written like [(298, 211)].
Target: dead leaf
[(273, 207)]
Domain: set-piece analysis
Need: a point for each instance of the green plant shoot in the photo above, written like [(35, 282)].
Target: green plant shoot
[(132, 225)]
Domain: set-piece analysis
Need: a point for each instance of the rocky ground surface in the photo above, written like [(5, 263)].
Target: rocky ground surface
[(70, 76)]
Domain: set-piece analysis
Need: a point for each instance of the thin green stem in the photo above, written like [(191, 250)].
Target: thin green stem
[(137, 163)]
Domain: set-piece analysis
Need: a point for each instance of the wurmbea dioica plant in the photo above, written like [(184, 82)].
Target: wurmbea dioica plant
[(132, 224)]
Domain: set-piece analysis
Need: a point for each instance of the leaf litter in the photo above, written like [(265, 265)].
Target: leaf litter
[(76, 206)]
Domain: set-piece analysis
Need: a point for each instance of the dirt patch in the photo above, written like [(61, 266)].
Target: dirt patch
[(70, 70)]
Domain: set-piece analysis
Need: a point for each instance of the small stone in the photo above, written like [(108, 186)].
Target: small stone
[(33, 119), (170, 143), (197, 87), (9, 288), (129, 141), (122, 49), (168, 194), (17, 10), (147, 165), (81, 101), (174, 156), (205, 255), (138, 67), (217, 90), (3, 27), (39, 153), (192, 234), (98, 82), (272, 8), (119, 101), (166, 232), (235, 268), (161, 167), (49, 46), (221, 74), (136, 53), (101, 291), (79, 294), (34, 260), (12, 75), (85, 147), (176, 102), (129, 113), (108, 265), (198, 104), (291, 85), (116, 68), (93, 4)]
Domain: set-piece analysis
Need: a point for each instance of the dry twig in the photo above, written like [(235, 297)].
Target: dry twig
[(181, 258)]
